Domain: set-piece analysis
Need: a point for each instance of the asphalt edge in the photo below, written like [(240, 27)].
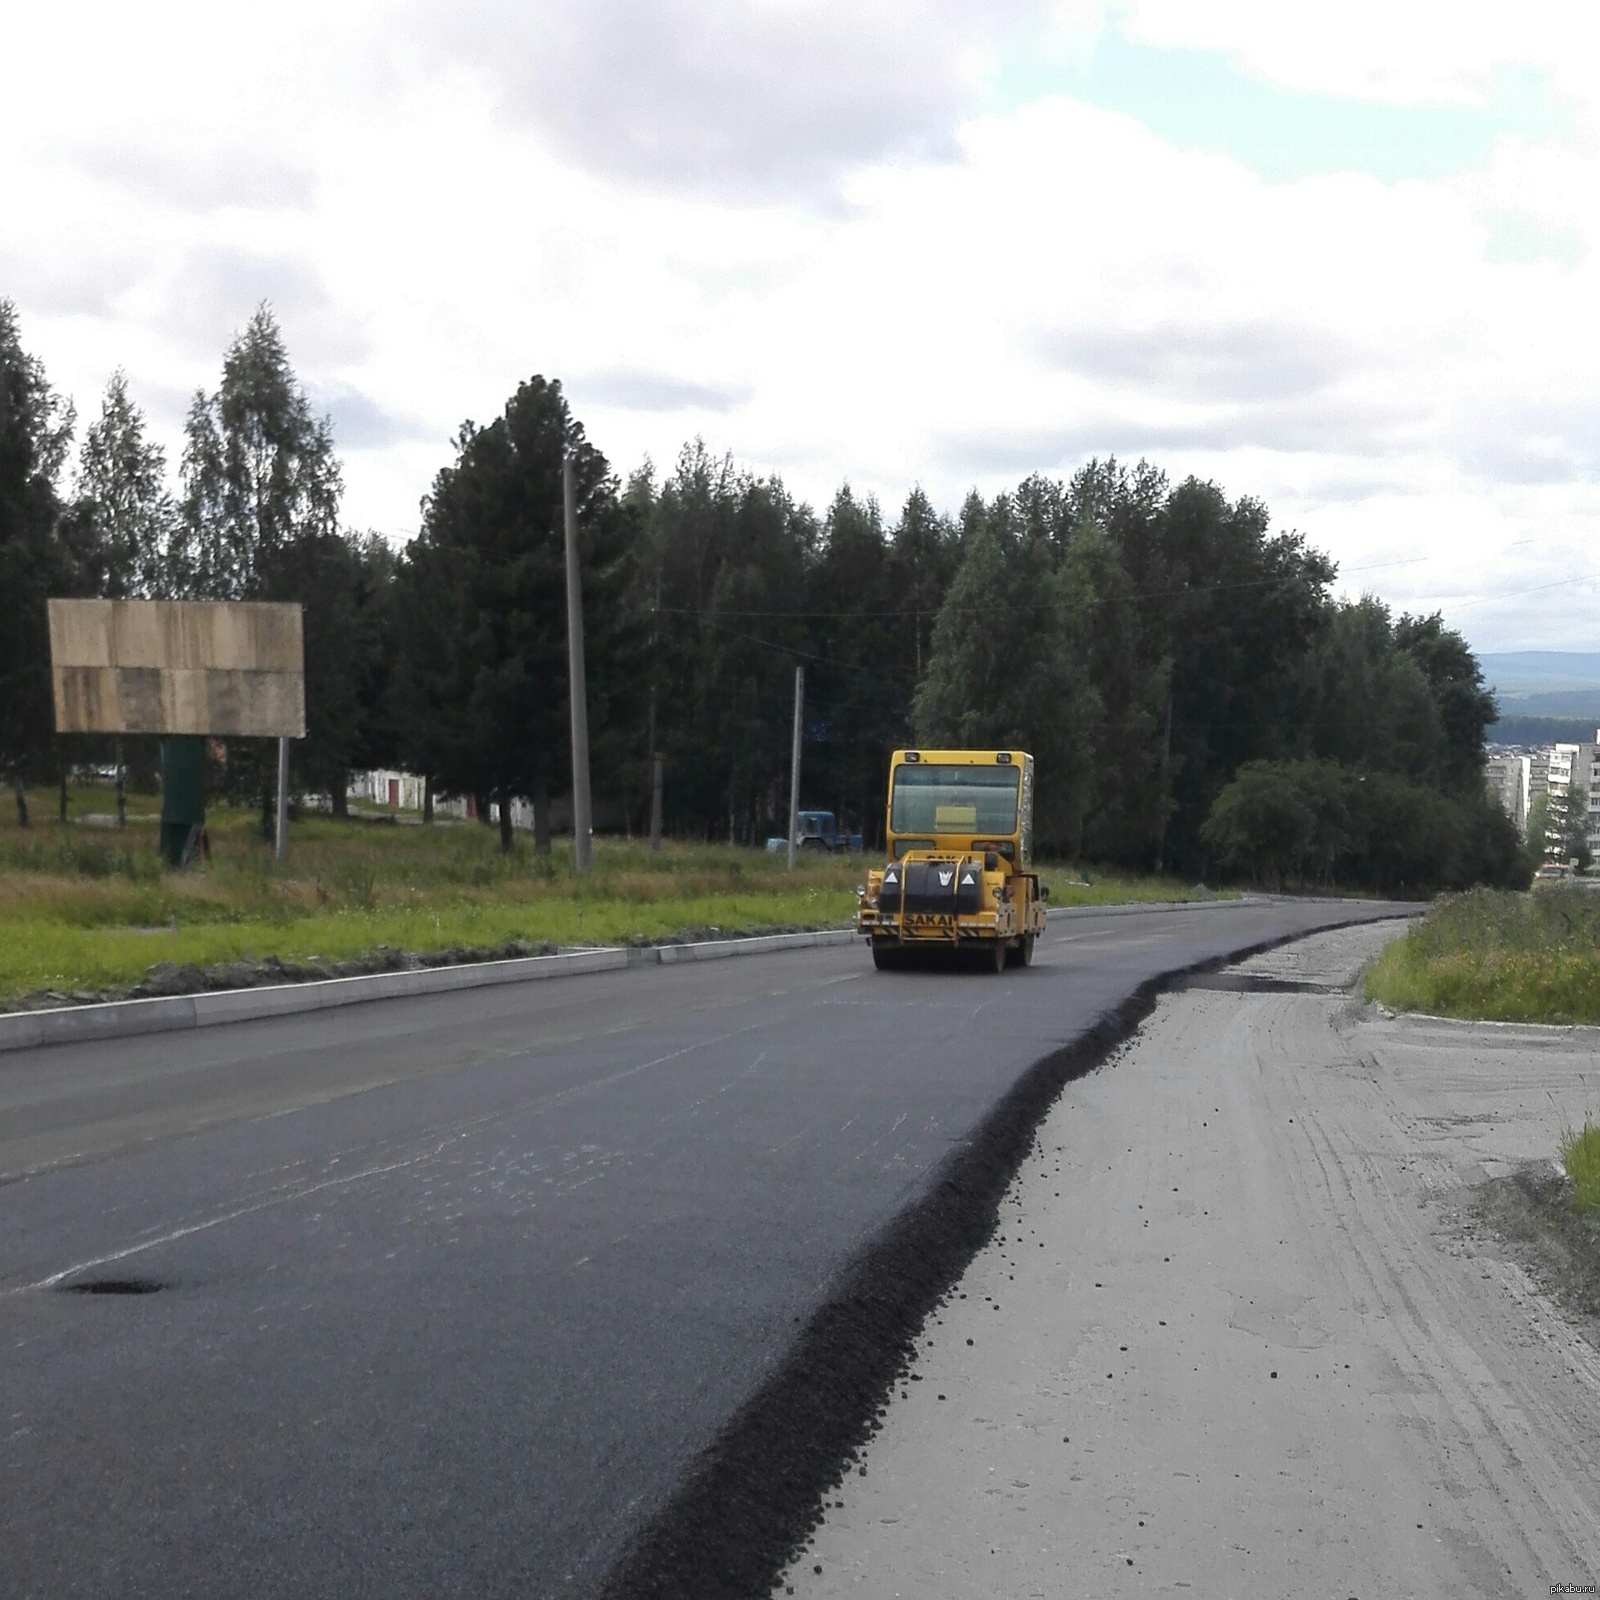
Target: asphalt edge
[(752, 1498)]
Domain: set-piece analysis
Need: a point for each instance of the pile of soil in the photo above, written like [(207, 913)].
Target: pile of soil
[(1533, 1211)]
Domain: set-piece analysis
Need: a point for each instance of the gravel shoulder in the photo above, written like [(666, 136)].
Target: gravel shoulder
[(1251, 1324)]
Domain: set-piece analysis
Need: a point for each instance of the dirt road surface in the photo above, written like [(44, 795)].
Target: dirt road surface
[(1237, 1334)]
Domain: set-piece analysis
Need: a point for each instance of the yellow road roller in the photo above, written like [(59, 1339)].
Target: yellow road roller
[(959, 877)]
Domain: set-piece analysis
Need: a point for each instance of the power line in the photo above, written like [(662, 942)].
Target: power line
[(1537, 588)]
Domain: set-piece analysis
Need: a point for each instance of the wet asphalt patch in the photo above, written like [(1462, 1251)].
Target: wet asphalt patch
[(1252, 983)]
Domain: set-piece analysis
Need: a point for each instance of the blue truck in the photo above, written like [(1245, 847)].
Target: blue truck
[(819, 830)]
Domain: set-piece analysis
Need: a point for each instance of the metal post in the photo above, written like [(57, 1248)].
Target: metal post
[(794, 763), (655, 807), (655, 749), (282, 835), (582, 825)]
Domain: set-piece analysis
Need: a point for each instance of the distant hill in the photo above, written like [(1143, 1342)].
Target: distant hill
[(1544, 683), (1538, 671), (1584, 704)]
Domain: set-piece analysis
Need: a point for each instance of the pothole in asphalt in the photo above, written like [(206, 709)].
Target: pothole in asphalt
[(1254, 983), (113, 1286)]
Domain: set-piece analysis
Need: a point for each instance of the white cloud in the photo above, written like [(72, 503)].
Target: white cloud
[(1407, 51), (1253, 360), (208, 291), (724, 97), (656, 392), (195, 178), (793, 228), (362, 423)]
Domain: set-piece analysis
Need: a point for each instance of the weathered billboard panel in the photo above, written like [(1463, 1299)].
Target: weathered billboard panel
[(221, 667)]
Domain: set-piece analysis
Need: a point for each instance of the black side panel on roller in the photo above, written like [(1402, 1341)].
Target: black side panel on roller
[(915, 887), (969, 889), (889, 894)]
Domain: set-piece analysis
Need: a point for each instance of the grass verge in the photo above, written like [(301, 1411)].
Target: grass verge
[(87, 907), (1580, 1155), (1494, 955)]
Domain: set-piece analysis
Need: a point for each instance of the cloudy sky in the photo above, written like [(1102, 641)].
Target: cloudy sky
[(1341, 256)]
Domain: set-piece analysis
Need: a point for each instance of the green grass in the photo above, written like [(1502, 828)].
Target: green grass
[(1493, 955), (87, 906), (1580, 1155), (58, 956)]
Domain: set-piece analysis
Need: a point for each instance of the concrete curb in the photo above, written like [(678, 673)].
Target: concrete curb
[(760, 944), (114, 1019)]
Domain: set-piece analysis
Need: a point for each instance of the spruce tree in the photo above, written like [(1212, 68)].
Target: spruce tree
[(492, 547), (35, 560), (259, 520), (122, 515)]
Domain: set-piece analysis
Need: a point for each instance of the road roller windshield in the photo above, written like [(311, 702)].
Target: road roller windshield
[(948, 799)]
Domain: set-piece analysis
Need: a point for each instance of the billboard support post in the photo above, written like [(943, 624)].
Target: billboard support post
[(281, 839)]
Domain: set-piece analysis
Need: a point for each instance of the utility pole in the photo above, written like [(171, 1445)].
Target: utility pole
[(794, 762), (655, 805), (582, 826), (283, 799), (1166, 758), (655, 753)]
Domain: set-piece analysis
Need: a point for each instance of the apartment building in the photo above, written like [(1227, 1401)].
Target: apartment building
[(1510, 779), (1574, 770), (1516, 779)]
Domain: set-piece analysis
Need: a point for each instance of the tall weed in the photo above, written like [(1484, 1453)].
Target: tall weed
[(1580, 1155), (1494, 954)]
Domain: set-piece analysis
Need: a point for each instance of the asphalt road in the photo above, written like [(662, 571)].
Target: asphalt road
[(454, 1289)]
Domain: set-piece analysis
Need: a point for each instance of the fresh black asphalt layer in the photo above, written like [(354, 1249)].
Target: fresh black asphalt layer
[(582, 1288)]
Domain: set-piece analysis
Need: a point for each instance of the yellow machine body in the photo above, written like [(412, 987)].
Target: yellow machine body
[(959, 874)]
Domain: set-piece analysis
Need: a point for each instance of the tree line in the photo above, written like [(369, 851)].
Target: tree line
[(1195, 696)]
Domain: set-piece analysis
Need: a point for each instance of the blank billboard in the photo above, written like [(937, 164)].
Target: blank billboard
[(219, 667)]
